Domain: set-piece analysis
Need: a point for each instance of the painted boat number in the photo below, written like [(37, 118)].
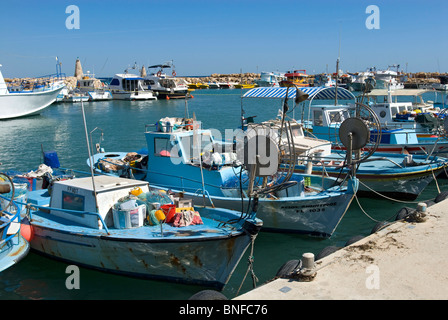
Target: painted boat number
[(310, 208)]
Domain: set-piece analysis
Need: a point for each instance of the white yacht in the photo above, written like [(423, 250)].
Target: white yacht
[(128, 86), (30, 97), (165, 86)]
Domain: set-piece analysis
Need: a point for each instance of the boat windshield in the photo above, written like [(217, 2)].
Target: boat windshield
[(338, 116), (167, 83), (194, 149)]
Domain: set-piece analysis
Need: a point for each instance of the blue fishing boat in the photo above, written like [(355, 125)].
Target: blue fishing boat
[(112, 224), (13, 246), (324, 121), (397, 175), (298, 203)]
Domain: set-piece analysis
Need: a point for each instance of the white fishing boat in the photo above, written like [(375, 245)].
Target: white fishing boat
[(358, 84), (28, 98), (442, 85), (94, 92), (388, 79), (270, 79), (128, 86)]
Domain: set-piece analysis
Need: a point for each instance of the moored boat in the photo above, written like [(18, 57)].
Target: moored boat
[(130, 87), (127, 227), (30, 97), (13, 246), (401, 176), (217, 178), (165, 86)]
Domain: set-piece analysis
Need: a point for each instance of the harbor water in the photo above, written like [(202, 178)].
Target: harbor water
[(60, 128)]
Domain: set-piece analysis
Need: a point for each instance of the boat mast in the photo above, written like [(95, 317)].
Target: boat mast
[(90, 156)]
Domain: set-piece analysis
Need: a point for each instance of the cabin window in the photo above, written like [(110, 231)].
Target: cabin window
[(115, 82), (163, 147), (318, 118), (335, 117), (206, 144), (71, 201), (394, 111)]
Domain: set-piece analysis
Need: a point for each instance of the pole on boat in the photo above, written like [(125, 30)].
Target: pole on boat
[(90, 155), (197, 150)]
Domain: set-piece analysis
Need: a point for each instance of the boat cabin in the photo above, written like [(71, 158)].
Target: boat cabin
[(304, 146), (179, 156), (394, 114), (130, 87), (325, 121), (80, 195)]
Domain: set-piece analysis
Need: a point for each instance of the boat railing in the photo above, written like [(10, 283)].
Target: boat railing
[(43, 83), (47, 208), (6, 225)]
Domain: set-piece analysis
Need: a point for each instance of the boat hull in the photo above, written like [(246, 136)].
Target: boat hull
[(133, 96), (404, 186), (172, 95), (12, 251), (16, 105), (317, 216), (205, 260)]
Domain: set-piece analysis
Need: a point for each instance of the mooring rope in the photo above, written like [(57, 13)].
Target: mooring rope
[(388, 198), (250, 267)]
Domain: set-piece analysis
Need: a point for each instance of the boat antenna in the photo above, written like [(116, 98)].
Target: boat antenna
[(337, 69), (242, 108), (90, 156)]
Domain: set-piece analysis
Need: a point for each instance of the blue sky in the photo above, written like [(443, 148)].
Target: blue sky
[(204, 37)]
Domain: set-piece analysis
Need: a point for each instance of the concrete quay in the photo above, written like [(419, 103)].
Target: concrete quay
[(404, 261)]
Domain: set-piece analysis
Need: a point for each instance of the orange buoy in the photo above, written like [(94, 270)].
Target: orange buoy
[(27, 230)]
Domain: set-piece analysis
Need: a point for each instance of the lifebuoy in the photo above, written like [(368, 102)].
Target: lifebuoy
[(159, 73), (174, 73)]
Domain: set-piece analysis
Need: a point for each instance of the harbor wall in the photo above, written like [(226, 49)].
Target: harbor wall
[(405, 261)]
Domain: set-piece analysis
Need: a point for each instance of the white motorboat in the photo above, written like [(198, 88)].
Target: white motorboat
[(270, 79), (165, 86), (128, 86), (30, 97)]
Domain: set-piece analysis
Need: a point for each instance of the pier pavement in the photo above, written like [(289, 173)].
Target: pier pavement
[(405, 260)]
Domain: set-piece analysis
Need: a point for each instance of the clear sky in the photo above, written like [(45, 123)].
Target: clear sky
[(227, 36)]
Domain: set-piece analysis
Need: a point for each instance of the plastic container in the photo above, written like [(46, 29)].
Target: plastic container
[(169, 210), (131, 218)]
